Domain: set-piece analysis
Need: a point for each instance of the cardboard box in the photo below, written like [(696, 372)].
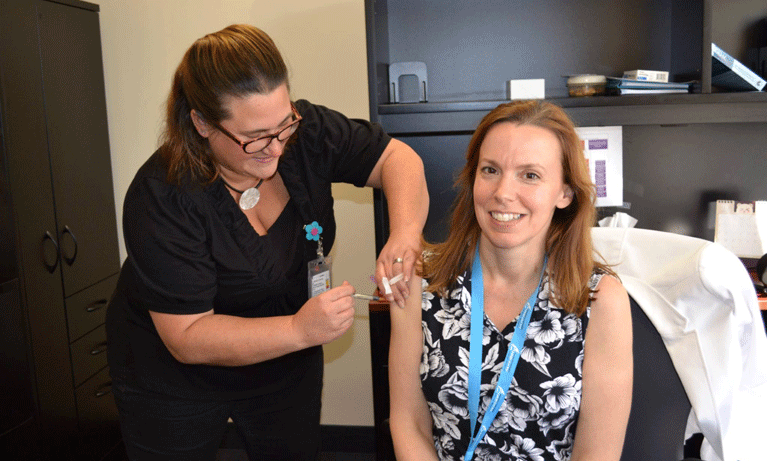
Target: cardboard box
[(647, 75), (527, 89)]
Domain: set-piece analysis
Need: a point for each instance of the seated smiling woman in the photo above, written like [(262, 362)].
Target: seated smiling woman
[(520, 347)]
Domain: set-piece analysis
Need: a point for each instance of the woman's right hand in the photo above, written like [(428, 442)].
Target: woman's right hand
[(214, 339), (325, 317)]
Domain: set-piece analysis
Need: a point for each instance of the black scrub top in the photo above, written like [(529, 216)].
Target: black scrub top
[(191, 249)]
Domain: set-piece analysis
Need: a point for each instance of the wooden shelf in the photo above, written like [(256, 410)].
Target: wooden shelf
[(667, 109)]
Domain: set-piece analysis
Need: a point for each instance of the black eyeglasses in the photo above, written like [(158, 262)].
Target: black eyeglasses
[(257, 145)]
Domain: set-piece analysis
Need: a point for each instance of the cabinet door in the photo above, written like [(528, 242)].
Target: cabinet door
[(32, 201), (76, 118)]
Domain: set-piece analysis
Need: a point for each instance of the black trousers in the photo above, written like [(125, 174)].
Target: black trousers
[(284, 425)]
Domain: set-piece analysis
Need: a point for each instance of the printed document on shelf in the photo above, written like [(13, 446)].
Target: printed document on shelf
[(741, 227), (603, 148)]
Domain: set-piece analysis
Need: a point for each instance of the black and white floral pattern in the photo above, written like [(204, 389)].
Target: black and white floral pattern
[(537, 420)]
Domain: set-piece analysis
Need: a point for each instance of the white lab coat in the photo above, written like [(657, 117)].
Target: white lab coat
[(700, 298)]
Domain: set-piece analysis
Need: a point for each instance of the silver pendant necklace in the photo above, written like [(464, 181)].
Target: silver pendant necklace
[(248, 197)]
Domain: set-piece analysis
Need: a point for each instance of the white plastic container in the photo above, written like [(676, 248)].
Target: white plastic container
[(586, 85)]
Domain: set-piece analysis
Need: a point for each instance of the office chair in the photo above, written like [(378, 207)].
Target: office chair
[(659, 405), (701, 304)]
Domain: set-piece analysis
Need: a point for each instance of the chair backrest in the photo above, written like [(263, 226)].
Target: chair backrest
[(701, 301), (659, 406)]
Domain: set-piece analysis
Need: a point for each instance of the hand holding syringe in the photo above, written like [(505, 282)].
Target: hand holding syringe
[(387, 287)]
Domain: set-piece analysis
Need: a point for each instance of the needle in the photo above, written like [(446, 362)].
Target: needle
[(367, 297)]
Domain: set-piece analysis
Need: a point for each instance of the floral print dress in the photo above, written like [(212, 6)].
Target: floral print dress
[(538, 418)]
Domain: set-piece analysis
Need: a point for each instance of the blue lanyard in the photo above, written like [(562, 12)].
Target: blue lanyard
[(475, 354)]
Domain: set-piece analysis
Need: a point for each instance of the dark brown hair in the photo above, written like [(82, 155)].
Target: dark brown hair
[(237, 61), (568, 242)]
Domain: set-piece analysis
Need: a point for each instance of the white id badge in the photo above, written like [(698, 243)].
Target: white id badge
[(319, 276)]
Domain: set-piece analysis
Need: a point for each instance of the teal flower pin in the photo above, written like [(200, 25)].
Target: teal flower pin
[(313, 231)]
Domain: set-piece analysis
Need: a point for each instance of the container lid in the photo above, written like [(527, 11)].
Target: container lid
[(587, 79)]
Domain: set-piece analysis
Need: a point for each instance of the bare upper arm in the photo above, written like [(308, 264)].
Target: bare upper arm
[(406, 342), (608, 355), (609, 327), (376, 176), (410, 416), (607, 375)]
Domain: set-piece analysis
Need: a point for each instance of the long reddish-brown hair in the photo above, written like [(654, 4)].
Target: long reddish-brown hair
[(236, 61), (568, 242)]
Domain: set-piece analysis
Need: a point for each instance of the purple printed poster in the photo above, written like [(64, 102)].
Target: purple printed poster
[(603, 148)]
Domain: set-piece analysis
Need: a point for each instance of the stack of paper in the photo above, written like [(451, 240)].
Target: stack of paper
[(629, 86), (742, 227)]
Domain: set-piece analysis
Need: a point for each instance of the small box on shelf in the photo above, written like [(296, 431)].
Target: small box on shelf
[(534, 88), (646, 75), (586, 85)]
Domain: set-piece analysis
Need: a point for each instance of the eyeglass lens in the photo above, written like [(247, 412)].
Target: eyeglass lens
[(264, 141)]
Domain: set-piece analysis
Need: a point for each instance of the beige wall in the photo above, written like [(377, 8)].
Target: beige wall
[(323, 42)]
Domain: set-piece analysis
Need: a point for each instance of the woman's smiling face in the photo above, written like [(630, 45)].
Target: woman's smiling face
[(251, 116), (518, 185)]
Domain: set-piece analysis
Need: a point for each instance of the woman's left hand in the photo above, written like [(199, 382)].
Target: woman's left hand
[(396, 263), (399, 172)]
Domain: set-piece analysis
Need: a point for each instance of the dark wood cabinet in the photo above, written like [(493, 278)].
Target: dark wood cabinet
[(681, 152), (61, 200), (78, 143)]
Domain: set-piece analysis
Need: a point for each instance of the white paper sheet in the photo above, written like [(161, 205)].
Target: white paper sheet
[(741, 227), (603, 148)]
